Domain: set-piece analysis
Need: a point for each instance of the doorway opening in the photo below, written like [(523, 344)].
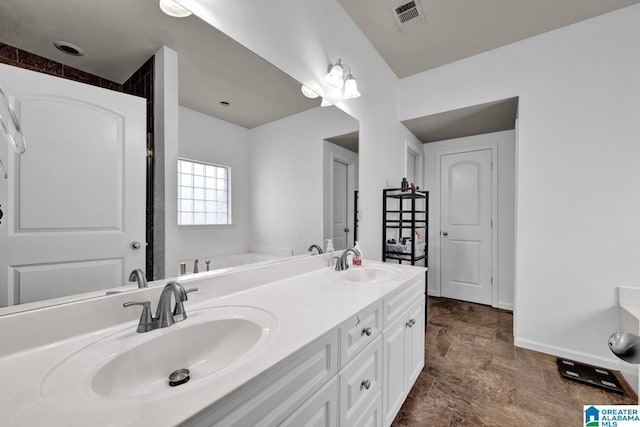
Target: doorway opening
[(340, 189), (469, 170)]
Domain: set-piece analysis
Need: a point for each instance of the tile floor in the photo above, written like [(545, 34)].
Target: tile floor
[(474, 376)]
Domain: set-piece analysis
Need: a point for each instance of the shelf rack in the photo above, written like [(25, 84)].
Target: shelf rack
[(405, 213)]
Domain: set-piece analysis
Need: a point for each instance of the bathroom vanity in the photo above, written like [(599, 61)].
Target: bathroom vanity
[(293, 343)]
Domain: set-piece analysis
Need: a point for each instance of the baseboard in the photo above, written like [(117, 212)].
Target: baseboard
[(569, 354), (433, 293), (505, 306)]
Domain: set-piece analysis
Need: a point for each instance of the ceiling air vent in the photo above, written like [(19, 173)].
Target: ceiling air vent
[(408, 14)]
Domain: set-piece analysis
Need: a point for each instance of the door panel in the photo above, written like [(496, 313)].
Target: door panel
[(42, 281), (466, 201), (340, 183), (75, 200), (95, 141)]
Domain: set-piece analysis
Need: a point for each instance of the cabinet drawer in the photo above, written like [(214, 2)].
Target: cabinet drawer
[(360, 330), (321, 410), (396, 304), (270, 400), (360, 383)]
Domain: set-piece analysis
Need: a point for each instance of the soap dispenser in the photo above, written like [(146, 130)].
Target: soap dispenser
[(329, 247), (357, 260)]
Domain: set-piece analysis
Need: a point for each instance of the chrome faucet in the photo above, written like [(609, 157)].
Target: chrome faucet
[(341, 263), (320, 251), (195, 266), (165, 316), (137, 275)]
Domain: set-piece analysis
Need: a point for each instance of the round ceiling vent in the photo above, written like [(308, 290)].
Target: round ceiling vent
[(68, 48)]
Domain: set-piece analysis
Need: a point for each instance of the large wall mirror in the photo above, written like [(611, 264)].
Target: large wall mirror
[(234, 110)]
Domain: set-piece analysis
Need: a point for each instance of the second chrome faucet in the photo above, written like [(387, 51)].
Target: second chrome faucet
[(165, 316)]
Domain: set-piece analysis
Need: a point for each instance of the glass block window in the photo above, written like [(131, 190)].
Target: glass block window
[(203, 193)]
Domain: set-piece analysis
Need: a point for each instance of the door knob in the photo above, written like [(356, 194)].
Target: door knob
[(445, 233), (135, 245), (346, 230)]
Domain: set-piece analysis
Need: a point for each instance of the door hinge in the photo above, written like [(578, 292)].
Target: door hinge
[(491, 280), (491, 164)]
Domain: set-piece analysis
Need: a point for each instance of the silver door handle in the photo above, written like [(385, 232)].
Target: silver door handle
[(346, 230), (135, 245), (445, 233)]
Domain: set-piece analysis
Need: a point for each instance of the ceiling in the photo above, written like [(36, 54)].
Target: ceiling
[(348, 141), (212, 67), (475, 120), (456, 29)]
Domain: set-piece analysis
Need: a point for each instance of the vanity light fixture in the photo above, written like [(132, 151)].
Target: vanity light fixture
[(326, 103), (309, 93), (335, 78), (171, 8)]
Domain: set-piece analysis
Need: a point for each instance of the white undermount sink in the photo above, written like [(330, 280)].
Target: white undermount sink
[(129, 364), (370, 274)]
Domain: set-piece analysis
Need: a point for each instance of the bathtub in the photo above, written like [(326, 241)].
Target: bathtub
[(234, 259)]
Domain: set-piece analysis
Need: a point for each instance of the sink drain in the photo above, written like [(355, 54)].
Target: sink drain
[(178, 377)]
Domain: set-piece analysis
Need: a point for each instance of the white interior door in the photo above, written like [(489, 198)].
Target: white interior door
[(465, 239), (75, 201), (411, 167), (340, 225)]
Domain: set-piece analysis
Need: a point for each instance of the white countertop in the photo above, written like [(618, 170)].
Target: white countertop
[(306, 307)]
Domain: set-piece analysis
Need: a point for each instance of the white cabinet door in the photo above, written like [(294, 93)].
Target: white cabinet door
[(395, 368), (75, 200), (321, 410), (360, 383), (415, 342)]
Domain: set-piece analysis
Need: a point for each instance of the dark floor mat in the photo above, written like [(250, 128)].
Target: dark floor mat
[(590, 375)]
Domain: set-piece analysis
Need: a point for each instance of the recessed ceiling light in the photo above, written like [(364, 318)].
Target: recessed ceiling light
[(172, 8), (225, 103), (68, 48)]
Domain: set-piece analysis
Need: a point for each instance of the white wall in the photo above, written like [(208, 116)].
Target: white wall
[(207, 139), (504, 277), (578, 202), (166, 169), (286, 189)]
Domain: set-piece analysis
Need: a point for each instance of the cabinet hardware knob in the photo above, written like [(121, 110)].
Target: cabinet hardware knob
[(412, 321), (366, 331), (366, 384)]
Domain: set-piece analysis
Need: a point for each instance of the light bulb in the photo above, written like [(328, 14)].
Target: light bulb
[(308, 92), (171, 8), (326, 103), (334, 77), (351, 88)]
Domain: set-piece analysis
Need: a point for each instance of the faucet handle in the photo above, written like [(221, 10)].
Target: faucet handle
[(178, 311), (146, 319)]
